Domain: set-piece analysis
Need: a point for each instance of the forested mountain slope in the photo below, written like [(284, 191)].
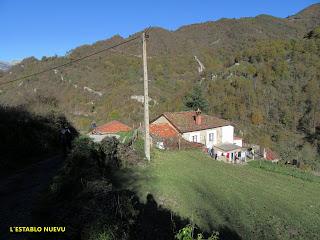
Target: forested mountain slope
[(262, 73)]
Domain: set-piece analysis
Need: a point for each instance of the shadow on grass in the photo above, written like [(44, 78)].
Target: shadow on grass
[(157, 222), (109, 204)]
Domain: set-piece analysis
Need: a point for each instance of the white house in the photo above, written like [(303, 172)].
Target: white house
[(215, 133)]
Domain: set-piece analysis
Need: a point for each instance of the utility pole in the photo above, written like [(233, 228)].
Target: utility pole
[(146, 98)]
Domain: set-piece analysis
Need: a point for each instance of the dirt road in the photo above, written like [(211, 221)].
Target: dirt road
[(19, 192)]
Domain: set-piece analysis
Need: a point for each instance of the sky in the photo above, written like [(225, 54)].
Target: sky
[(48, 27)]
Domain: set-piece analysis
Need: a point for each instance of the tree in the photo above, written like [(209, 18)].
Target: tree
[(309, 155), (308, 121), (195, 99), (257, 117), (315, 33)]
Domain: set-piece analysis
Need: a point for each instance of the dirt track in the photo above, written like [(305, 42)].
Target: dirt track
[(18, 193)]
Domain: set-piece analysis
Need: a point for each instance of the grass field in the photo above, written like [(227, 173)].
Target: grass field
[(286, 170), (252, 202)]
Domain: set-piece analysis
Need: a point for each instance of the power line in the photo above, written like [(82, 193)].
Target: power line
[(72, 61)]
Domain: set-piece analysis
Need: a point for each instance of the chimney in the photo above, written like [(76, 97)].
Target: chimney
[(198, 117)]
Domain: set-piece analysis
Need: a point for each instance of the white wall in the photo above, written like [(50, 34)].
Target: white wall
[(221, 135), (227, 134), (100, 137), (188, 136), (209, 143)]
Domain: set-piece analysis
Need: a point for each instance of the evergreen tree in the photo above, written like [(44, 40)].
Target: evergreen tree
[(195, 100)]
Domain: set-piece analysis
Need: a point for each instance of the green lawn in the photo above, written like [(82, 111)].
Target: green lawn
[(255, 203), (285, 170)]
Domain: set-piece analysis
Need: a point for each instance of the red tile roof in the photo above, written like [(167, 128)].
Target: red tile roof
[(163, 130), (185, 121), (112, 127)]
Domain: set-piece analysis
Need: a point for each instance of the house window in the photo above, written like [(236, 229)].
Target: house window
[(194, 138), (211, 137)]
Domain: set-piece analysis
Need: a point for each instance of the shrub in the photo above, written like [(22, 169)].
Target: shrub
[(187, 233), (109, 146), (84, 186)]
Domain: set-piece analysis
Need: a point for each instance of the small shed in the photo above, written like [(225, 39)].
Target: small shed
[(230, 151), (109, 129)]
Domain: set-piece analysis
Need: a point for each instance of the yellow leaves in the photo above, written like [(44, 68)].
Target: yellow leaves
[(265, 141), (257, 117)]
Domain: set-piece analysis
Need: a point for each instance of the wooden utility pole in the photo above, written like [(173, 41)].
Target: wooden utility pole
[(146, 98)]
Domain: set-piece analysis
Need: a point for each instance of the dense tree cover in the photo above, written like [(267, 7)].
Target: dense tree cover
[(274, 93)]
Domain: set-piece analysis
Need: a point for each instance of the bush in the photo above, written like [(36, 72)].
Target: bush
[(84, 186), (109, 146), (100, 235), (82, 165), (187, 233)]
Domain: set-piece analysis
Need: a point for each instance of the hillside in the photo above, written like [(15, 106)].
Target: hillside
[(260, 72), (4, 66), (241, 202)]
